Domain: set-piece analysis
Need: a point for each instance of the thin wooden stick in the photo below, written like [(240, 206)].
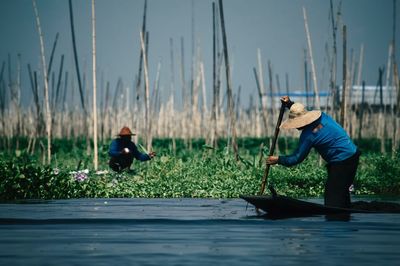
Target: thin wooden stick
[(59, 81), (2, 97), (262, 93), (272, 149), (146, 95), (139, 75), (229, 82), (52, 55), (78, 74), (314, 75), (262, 97), (95, 156), (35, 92), (214, 131), (343, 106), (46, 85), (332, 82)]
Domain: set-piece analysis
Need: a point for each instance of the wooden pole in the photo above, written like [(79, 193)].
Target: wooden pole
[(271, 88), (272, 148), (78, 74), (36, 100), (147, 94), (343, 105), (262, 92), (46, 85), (2, 98), (396, 117), (139, 75), (314, 75), (261, 96), (214, 131), (360, 121), (52, 55), (333, 70), (229, 82), (58, 87), (171, 126), (306, 82), (95, 155)]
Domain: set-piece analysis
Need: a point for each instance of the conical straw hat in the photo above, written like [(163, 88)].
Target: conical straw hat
[(300, 117)]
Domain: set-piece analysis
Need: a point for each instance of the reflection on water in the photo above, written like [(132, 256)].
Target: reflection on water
[(188, 232)]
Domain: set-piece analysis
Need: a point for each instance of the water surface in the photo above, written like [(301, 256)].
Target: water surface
[(187, 232)]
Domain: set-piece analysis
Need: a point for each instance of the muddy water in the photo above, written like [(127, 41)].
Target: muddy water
[(187, 232)]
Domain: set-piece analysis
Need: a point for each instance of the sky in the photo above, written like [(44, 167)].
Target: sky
[(276, 27)]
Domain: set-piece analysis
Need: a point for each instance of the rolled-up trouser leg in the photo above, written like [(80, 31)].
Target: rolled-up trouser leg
[(340, 177)]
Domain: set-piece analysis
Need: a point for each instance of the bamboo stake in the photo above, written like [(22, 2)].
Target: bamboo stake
[(349, 96), (343, 106), (261, 98), (203, 89), (171, 127), (314, 75), (95, 156), (214, 131), (396, 117), (262, 92), (155, 97), (2, 98), (229, 82), (306, 82), (146, 95), (36, 100), (360, 64), (46, 85), (272, 149), (381, 124), (71, 16), (139, 76), (332, 81), (271, 88), (59, 81), (52, 55), (18, 99)]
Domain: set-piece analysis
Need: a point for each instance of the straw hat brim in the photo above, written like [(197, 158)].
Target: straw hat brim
[(301, 121)]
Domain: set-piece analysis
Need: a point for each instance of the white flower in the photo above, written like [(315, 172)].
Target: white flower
[(56, 171)]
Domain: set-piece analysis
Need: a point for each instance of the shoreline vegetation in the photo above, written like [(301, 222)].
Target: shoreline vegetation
[(196, 172)]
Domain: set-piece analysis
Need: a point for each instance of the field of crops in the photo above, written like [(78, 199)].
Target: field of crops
[(197, 172)]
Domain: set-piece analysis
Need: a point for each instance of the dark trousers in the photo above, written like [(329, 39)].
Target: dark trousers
[(121, 162), (340, 177)]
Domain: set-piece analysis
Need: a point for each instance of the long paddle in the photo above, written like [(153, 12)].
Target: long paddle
[(272, 149)]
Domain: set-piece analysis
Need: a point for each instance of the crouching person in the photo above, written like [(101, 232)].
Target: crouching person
[(122, 152)]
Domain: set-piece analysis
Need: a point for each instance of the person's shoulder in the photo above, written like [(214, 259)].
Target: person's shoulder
[(132, 143), (326, 117)]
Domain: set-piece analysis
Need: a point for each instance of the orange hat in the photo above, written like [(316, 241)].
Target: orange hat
[(125, 131)]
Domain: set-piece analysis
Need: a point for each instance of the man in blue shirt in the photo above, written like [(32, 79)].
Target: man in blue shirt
[(123, 150), (330, 140)]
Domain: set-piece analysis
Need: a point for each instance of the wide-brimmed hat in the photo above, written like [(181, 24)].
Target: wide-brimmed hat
[(125, 131), (300, 117)]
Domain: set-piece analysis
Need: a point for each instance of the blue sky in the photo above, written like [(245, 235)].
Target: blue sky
[(276, 27)]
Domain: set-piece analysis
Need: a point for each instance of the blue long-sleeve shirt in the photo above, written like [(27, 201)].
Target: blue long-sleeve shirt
[(330, 140), (117, 145)]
